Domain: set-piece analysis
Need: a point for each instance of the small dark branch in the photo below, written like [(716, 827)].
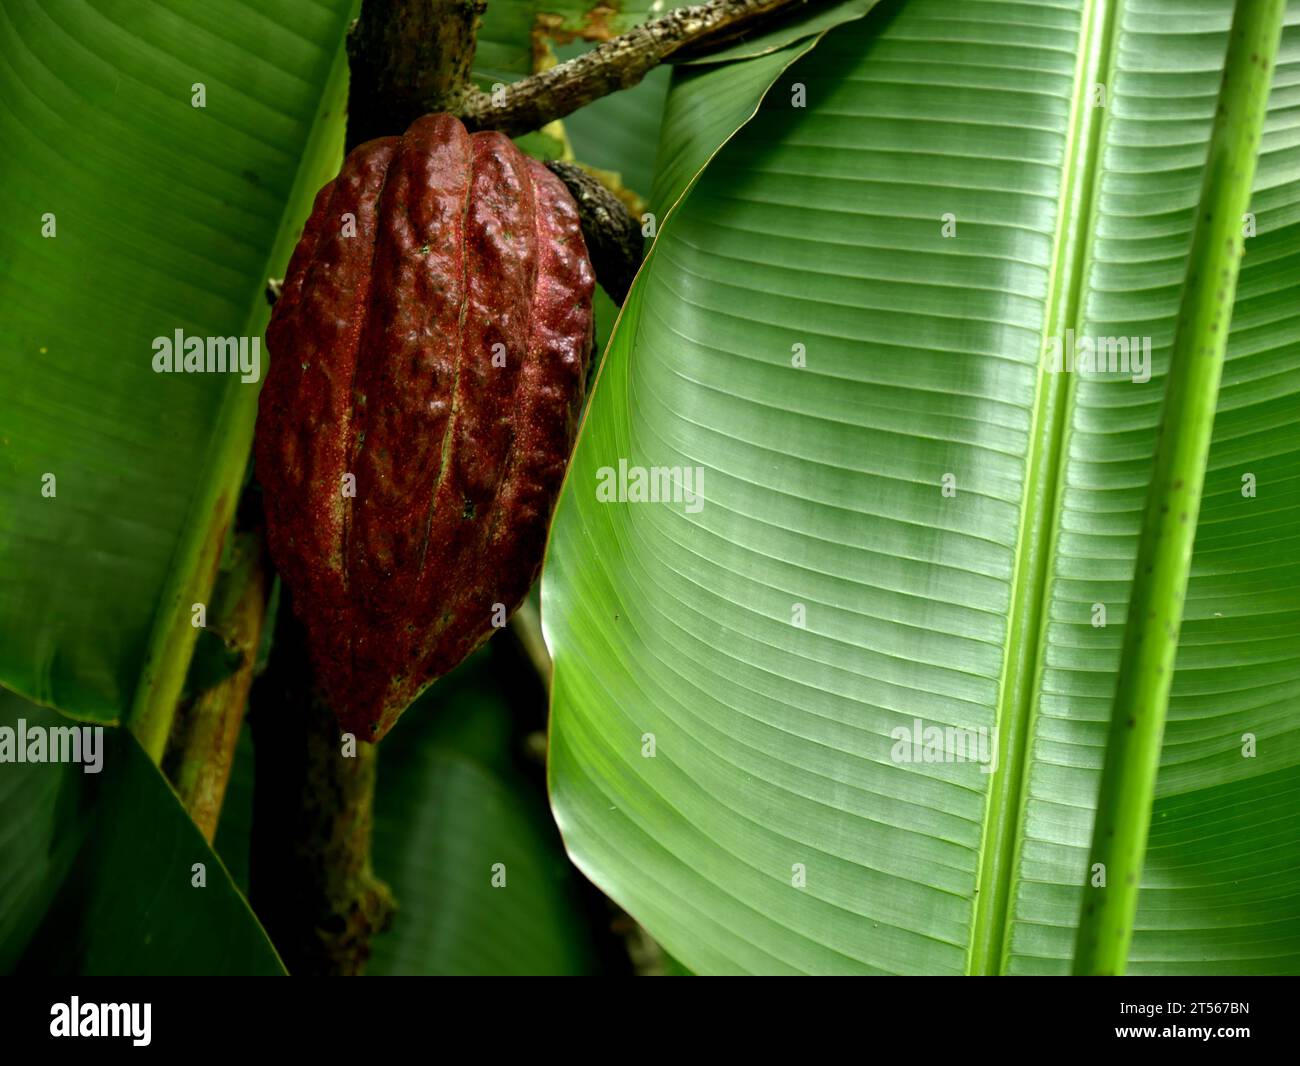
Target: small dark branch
[(613, 236), (406, 58), (618, 64), (310, 876)]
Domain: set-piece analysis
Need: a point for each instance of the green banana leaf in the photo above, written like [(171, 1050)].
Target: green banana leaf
[(132, 214), (903, 533), (97, 870)]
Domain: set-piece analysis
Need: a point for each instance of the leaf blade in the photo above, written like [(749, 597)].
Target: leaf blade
[(147, 465), (774, 741)]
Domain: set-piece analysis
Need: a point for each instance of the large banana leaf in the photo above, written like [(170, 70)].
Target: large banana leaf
[(830, 592), (166, 216), (133, 213)]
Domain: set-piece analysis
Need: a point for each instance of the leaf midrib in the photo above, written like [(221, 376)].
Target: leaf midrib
[(1040, 503)]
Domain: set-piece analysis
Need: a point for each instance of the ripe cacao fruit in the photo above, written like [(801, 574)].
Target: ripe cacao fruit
[(429, 352)]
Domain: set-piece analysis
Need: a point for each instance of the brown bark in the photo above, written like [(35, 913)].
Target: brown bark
[(312, 884), (406, 59), (617, 64)]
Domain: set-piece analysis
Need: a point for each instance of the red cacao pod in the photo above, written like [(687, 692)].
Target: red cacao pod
[(429, 353)]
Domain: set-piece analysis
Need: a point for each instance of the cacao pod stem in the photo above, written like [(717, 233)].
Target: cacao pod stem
[(613, 236)]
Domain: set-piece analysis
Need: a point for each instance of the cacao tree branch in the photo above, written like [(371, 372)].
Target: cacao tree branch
[(617, 64), (311, 881), (407, 58)]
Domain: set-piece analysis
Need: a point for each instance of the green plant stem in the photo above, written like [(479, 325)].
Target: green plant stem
[(1173, 502)]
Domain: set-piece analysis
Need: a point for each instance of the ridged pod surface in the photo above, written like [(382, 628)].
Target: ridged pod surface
[(429, 351)]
